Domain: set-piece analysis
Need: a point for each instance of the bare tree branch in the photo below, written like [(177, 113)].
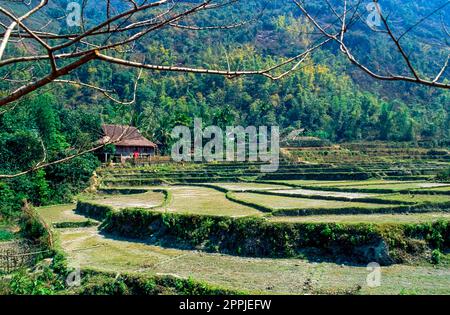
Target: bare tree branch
[(415, 77)]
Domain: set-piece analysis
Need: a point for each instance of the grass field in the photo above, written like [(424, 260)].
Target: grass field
[(395, 186), (184, 199), (373, 218), (248, 186), (146, 200), (280, 202), (308, 192), (202, 200), (415, 197), (371, 184), (61, 213), (334, 183)]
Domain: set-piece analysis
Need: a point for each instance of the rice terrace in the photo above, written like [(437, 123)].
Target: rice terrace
[(230, 227)]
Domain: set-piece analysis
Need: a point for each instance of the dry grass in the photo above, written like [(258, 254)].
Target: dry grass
[(333, 183), (146, 200), (281, 202), (60, 213), (86, 248), (325, 193), (372, 218), (416, 198), (202, 200), (248, 186)]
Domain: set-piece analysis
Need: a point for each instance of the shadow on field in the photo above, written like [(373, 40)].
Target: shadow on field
[(312, 255)]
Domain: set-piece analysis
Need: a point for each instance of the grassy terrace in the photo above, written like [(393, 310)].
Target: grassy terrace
[(87, 248), (416, 198), (147, 200), (209, 201), (369, 184), (318, 193), (398, 186), (204, 220), (373, 218), (201, 200), (296, 173), (61, 213), (248, 186), (280, 202), (181, 199), (250, 199)]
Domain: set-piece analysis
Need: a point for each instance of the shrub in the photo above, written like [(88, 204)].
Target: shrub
[(436, 256), (444, 175), (6, 235), (43, 283), (102, 283), (34, 228)]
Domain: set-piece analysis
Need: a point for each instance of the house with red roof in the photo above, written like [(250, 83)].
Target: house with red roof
[(128, 141)]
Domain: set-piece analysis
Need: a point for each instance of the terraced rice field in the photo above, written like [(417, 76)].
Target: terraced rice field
[(395, 186), (308, 192), (248, 186), (86, 247), (148, 200), (201, 200), (238, 191), (370, 184), (373, 218), (280, 202), (338, 183), (416, 198), (61, 213)]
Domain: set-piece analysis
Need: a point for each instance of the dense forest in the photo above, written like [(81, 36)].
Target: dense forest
[(327, 96)]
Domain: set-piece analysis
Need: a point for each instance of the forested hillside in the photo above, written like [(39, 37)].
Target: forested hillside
[(326, 95)]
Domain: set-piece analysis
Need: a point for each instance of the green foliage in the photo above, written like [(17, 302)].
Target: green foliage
[(436, 233), (10, 202), (436, 256), (6, 235), (65, 225), (98, 212), (40, 128), (33, 228), (40, 283), (59, 263), (102, 283), (444, 175)]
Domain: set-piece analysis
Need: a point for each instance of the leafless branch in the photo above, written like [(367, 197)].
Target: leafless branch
[(415, 75)]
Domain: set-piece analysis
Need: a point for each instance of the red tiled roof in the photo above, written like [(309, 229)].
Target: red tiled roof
[(129, 136)]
